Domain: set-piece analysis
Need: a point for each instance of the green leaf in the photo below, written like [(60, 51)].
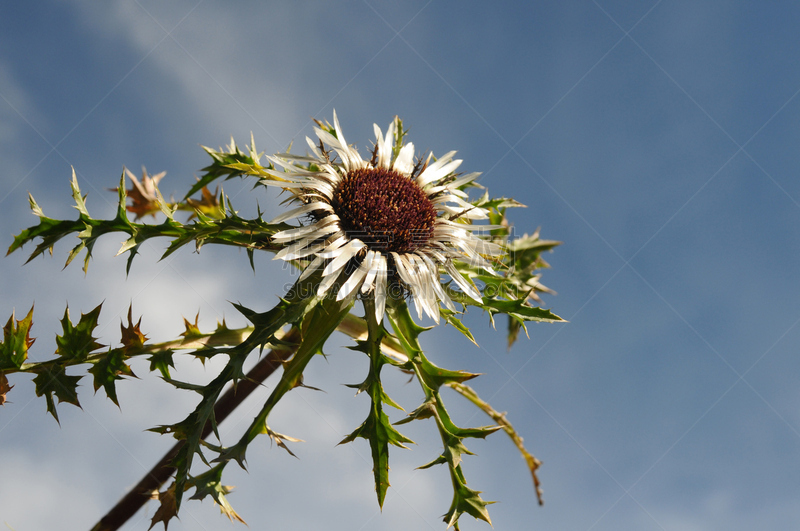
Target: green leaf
[(192, 330), (466, 500), (186, 386), (53, 381), (435, 377), (299, 301), (16, 341), (162, 361), (80, 200), (76, 342), (425, 411), (498, 203), (518, 308), (524, 253), (431, 378), (461, 433), (229, 230), (376, 428), (107, 370), (514, 327), (222, 165), (209, 483), (320, 321), (531, 243), (441, 460), (49, 230), (457, 324)]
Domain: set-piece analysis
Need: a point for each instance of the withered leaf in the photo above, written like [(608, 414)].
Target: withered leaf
[(4, 388), (168, 508)]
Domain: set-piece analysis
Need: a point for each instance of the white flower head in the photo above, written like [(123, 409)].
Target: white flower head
[(385, 225)]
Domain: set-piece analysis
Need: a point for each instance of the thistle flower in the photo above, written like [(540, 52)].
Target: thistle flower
[(387, 225)]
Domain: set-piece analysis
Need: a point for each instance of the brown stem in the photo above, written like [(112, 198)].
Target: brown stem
[(162, 471)]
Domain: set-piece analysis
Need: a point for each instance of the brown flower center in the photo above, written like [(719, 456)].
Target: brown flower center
[(384, 209)]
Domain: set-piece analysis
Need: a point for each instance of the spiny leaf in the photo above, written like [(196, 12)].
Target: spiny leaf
[(162, 361), (461, 433), (122, 199), (190, 430), (517, 309), (498, 203), (466, 500), (87, 239), (167, 509), (76, 341), (179, 430), (526, 244), (53, 381), (108, 369), (457, 324), (251, 169), (425, 411), (132, 337), (221, 166), (4, 388), (229, 229), (237, 452), (440, 460), (80, 200), (279, 439), (186, 386), (433, 377), (377, 429), (16, 341), (319, 320), (266, 324), (192, 330), (144, 193), (49, 230), (209, 483), (521, 311)]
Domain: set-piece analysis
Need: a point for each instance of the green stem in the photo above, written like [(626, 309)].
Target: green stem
[(325, 317), (351, 325), (377, 419), (218, 338), (377, 428), (163, 470), (431, 378)]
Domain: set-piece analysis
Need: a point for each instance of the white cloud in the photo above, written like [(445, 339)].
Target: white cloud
[(223, 82), (42, 492)]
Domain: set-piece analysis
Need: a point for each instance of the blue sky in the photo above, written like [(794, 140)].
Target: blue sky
[(656, 139)]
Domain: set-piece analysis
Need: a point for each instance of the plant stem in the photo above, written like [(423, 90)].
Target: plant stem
[(533, 463), (352, 326), (162, 471)]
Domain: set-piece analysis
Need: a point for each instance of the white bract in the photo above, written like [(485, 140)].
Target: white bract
[(384, 222)]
